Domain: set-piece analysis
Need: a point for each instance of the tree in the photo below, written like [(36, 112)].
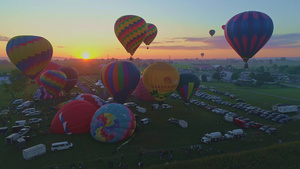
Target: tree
[(261, 69), (18, 83), (275, 66), (217, 75), (235, 76)]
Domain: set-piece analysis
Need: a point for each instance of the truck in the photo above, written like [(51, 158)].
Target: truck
[(236, 133), (34, 151), (211, 137), (20, 122), (287, 109), (12, 138)]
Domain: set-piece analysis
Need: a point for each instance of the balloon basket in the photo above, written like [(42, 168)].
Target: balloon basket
[(246, 65)]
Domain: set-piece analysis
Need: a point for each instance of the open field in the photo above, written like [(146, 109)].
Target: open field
[(157, 136)]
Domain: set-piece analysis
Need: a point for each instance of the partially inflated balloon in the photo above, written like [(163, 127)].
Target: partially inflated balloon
[(72, 77), (42, 94), (212, 32), (95, 100), (131, 31), (160, 80), (141, 92), (120, 79), (248, 32), (73, 118), (30, 54), (50, 66), (112, 122), (151, 33), (53, 81), (188, 85)]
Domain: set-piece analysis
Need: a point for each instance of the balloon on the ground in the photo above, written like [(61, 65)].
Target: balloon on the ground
[(50, 66), (248, 32), (95, 100), (30, 54), (60, 105), (188, 85), (212, 32), (151, 33), (112, 122), (130, 31), (72, 77), (53, 81), (120, 79), (42, 94), (141, 92), (73, 118), (160, 80)]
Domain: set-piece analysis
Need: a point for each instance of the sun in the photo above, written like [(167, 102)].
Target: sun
[(85, 55)]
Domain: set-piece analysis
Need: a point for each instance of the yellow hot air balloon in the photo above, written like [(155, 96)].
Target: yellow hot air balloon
[(161, 80)]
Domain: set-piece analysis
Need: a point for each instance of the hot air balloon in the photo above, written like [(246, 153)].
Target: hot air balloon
[(95, 100), (188, 85), (30, 54), (112, 122), (131, 31), (212, 32), (141, 92), (160, 80), (50, 66), (53, 81), (202, 54), (248, 32), (151, 34), (73, 118), (72, 77), (42, 94), (120, 79), (223, 27)]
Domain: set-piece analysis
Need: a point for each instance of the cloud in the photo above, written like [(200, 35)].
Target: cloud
[(291, 40), (4, 38), (60, 46), (176, 47)]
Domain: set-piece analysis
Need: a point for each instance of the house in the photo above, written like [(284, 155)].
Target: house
[(218, 67)]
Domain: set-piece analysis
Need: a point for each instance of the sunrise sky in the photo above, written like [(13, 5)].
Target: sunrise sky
[(85, 28)]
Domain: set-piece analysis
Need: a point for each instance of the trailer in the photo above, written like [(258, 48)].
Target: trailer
[(34, 151), (287, 109), (12, 138)]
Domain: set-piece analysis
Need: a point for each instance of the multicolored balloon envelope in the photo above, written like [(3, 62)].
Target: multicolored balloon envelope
[(120, 79), (160, 80), (141, 92), (112, 122), (42, 94), (248, 32), (72, 77), (53, 81), (131, 31), (30, 54), (50, 66), (188, 85), (73, 118), (151, 33), (95, 100)]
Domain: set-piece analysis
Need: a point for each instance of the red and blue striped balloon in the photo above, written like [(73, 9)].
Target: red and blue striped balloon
[(120, 79), (248, 32), (30, 54), (53, 81)]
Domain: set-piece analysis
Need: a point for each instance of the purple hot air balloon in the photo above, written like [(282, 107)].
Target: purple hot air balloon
[(248, 32)]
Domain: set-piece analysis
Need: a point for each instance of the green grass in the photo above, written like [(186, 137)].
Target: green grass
[(151, 138)]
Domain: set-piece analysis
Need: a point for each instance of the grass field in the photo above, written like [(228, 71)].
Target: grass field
[(157, 136)]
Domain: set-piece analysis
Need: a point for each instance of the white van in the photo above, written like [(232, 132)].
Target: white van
[(61, 146), (20, 123)]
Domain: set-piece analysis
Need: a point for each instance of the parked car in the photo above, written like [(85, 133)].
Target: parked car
[(130, 104), (35, 120), (145, 121), (264, 128), (28, 110), (271, 130), (35, 113), (173, 120), (24, 131), (18, 101)]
